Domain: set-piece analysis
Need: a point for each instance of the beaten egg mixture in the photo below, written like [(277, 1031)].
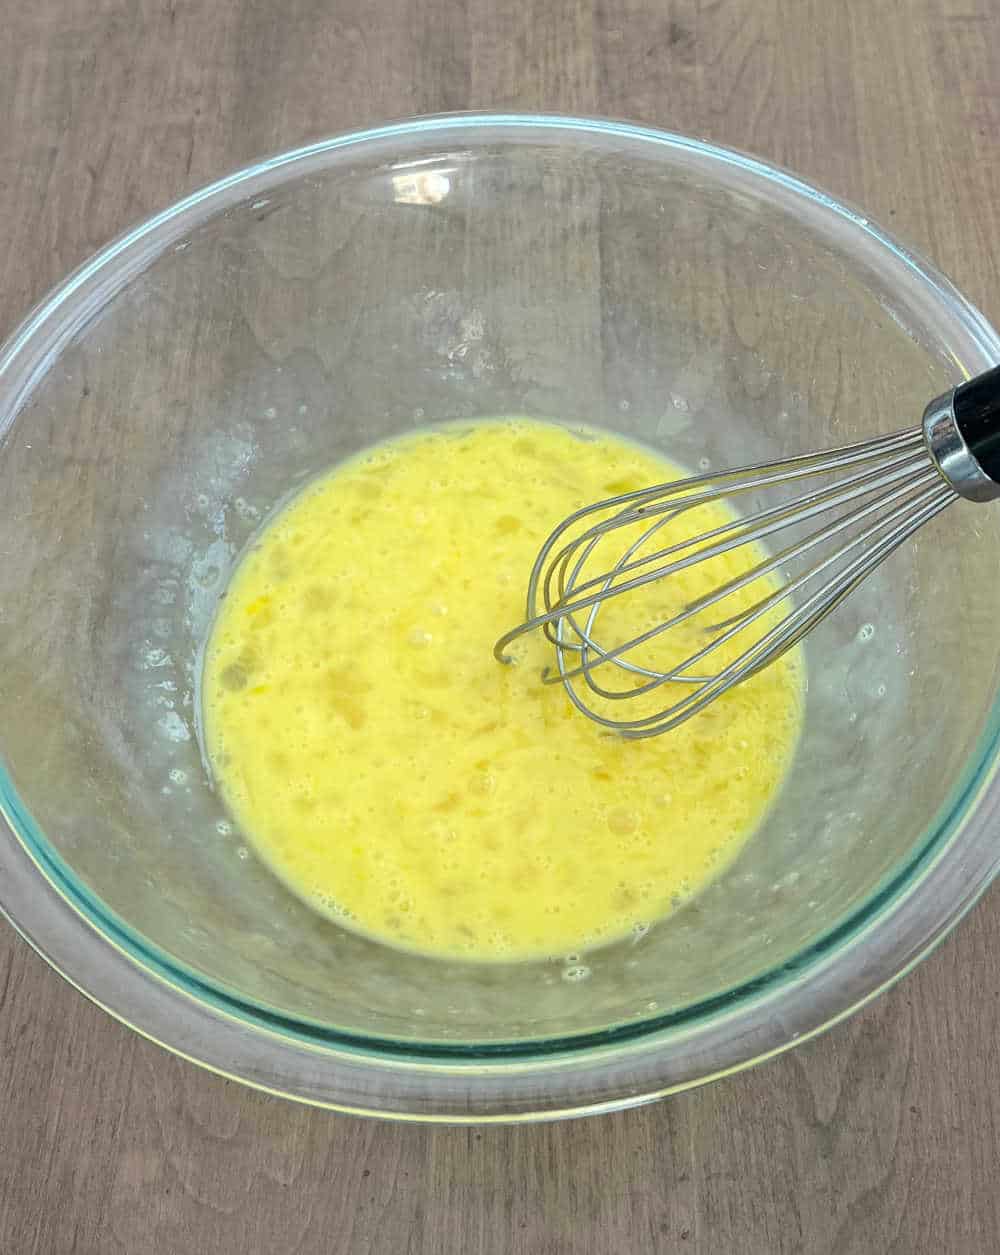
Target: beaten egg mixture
[(402, 781)]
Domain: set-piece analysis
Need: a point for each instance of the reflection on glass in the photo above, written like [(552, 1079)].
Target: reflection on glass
[(426, 187)]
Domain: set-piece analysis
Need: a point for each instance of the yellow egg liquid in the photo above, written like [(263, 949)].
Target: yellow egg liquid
[(403, 782)]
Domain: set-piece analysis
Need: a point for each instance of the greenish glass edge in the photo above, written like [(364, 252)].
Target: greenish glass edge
[(151, 958), (155, 960)]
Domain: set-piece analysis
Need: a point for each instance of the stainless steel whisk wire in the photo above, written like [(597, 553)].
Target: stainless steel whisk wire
[(916, 474)]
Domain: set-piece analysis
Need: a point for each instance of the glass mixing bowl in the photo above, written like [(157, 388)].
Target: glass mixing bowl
[(158, 405)]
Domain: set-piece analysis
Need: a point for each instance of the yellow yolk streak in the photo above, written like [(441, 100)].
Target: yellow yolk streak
[(400, 780)]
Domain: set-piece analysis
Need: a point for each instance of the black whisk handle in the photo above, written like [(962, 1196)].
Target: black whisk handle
[(976, 406), (962, 434)]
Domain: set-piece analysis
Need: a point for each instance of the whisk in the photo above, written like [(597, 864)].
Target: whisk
[(858, 503)]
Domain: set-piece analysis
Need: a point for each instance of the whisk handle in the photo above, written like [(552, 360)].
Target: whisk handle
[(976, 404), (962, 435)]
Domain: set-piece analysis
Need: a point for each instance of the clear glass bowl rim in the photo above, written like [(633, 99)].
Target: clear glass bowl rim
[(900, 922)]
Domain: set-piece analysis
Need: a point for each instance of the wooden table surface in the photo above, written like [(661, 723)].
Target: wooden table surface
[(880, 1137)]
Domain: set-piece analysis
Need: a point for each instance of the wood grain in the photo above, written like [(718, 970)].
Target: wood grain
[(880, 1137)]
